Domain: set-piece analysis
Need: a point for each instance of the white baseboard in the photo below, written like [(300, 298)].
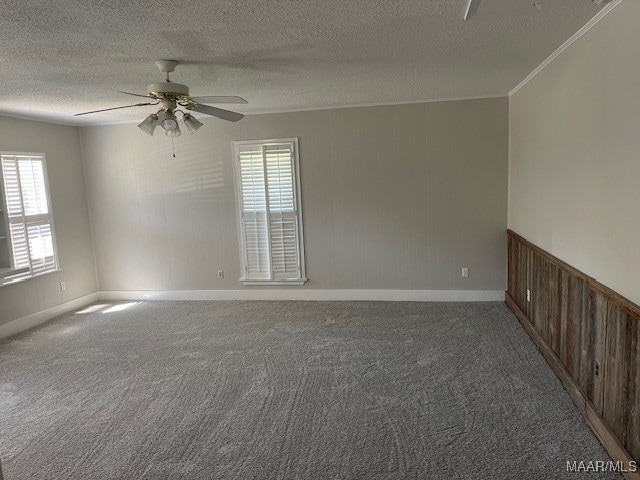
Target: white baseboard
[(306, 294), (30, 321), (24, 323)]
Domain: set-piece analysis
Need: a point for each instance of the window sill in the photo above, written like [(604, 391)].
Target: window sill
[(5, 271), (6, 274), (252, 283)]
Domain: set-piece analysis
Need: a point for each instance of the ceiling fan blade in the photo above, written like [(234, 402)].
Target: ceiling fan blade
[(218, 99), (116, 108), (217, 112), (472, 9), (134, 94)]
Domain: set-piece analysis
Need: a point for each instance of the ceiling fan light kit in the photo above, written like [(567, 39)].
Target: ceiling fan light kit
[(172, 95), (191, 122), (149, 124), (174, 132), (168, 120)]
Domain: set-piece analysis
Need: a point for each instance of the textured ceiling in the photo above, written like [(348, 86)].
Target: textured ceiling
[(62, 57)]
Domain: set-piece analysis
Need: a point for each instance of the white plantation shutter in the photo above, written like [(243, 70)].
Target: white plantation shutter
[(32, 243), (270, 222), (282, 211), (34, 192), (254, 214), (41, 248), (19, 245)]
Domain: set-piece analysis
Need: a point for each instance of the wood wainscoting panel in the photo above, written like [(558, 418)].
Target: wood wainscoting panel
[(574, 311), (598, 323), (633, 433), (620, 378), (540, 299), (589, 335), (555, 309)]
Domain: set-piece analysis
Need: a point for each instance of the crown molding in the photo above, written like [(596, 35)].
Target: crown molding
[(588, 26)]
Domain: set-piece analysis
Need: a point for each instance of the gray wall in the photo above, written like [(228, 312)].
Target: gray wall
[(575, 154), (394, 197), (61, 145)]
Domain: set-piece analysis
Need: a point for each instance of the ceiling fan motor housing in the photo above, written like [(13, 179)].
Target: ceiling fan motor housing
[(167, 89)]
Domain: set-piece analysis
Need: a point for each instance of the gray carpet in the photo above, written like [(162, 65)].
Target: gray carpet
[(242, 390)]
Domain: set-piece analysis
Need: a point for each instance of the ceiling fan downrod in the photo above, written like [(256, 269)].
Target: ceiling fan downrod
[(166, 66)]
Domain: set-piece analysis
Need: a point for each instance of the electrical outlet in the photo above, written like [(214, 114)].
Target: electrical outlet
[(220, 273), (465, 272), (596, 368), (528, 295), (63, 286)]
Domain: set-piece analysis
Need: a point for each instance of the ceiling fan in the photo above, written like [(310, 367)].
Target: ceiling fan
[(171, 96)]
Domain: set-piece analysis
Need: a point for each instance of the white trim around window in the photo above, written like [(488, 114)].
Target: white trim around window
[(27, 233), (269, 210)]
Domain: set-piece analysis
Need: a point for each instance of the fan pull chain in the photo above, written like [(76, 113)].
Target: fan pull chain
[(173, 147)]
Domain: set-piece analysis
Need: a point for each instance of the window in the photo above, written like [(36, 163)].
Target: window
[(27, 242), (270, 217)]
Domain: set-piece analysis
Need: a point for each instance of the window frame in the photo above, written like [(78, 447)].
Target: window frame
[(16, 275), (302, 277)]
